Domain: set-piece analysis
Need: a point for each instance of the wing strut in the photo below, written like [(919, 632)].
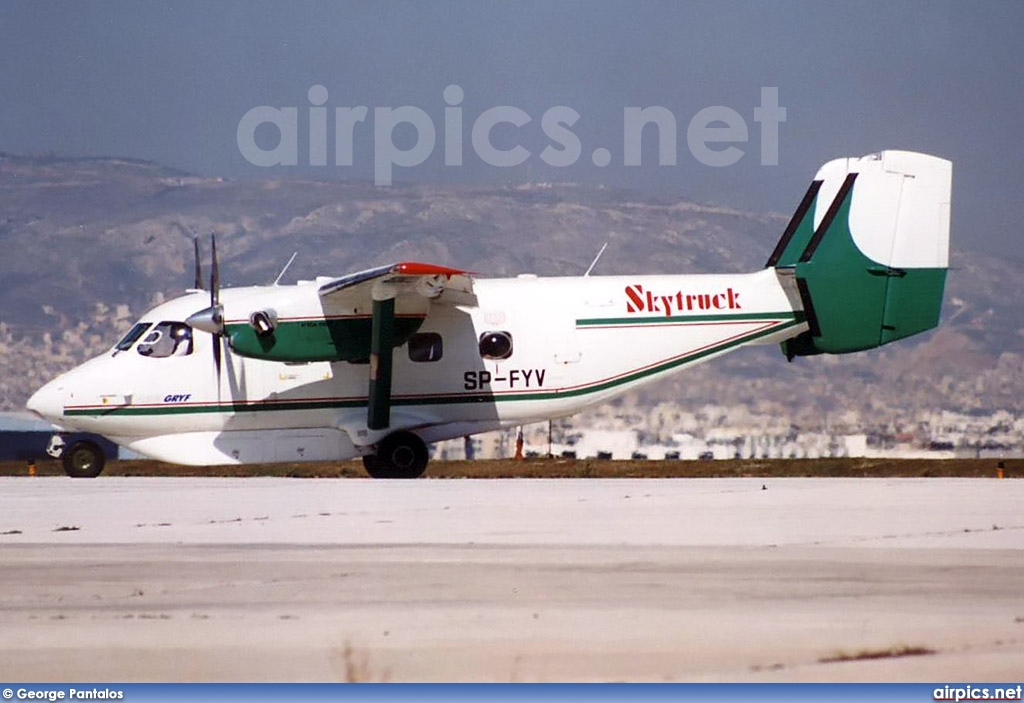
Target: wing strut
[(382, 337)]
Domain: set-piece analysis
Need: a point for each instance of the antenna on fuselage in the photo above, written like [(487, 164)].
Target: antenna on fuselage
[(281, 275), (596, 258)]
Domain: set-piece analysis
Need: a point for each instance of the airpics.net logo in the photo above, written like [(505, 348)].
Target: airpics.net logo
[(712, 134)]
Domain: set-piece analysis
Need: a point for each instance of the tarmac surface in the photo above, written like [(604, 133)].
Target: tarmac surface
[(268, 579)]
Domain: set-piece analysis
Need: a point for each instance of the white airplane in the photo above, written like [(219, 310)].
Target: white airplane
[(381, 363)]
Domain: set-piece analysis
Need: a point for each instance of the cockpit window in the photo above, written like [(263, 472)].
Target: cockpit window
[(167, 339), (133, 336)]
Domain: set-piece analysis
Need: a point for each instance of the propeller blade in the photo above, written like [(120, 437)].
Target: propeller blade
[(216, 358), (199, 269), (216, 309), (214, 273)]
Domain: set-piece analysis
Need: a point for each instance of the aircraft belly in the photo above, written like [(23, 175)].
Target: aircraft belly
[(248, 446)]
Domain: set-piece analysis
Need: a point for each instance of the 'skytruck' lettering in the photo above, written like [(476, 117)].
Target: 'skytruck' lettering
[(639, 300)]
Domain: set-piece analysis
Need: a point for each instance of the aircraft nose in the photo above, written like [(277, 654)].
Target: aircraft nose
[(48, 402)]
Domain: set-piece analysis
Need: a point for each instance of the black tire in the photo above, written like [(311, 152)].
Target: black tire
[(83, 459), (372, 467), (399, 455)]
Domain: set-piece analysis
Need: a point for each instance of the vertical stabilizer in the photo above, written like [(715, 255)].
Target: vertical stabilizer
[(873, 241)]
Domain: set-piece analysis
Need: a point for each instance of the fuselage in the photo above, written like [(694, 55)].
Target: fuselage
[(574, 342)]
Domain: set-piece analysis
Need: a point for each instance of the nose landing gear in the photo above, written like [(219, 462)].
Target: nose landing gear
[(83, 459)]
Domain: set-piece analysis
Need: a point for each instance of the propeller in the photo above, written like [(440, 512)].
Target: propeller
[(210, 319)]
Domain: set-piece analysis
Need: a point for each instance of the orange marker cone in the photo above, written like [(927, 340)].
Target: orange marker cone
[(31, 467)]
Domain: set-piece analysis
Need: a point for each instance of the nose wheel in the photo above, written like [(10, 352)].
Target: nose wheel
[(83, 459), (399, 455)]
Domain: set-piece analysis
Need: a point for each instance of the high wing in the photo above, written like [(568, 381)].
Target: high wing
[(437, 283), (336, 324), (381, 288)]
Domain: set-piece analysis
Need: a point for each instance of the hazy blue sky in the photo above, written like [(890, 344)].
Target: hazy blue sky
[(170, 82)]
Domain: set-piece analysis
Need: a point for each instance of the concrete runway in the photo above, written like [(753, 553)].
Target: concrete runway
[(180, 579)]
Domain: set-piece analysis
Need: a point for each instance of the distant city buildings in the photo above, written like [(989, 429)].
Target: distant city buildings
[(669, 431)]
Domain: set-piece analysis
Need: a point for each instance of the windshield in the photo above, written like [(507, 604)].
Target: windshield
[(133, 335), (167, 339)]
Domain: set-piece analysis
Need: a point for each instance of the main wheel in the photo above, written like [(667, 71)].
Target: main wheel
[(399, 455), (83, 459)]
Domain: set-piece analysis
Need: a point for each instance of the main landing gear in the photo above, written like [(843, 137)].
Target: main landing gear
[(399, 455)]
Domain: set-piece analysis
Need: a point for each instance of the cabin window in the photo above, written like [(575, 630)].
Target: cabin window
[(133, 336), (425, 346), (167, 339), (496, 345)]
